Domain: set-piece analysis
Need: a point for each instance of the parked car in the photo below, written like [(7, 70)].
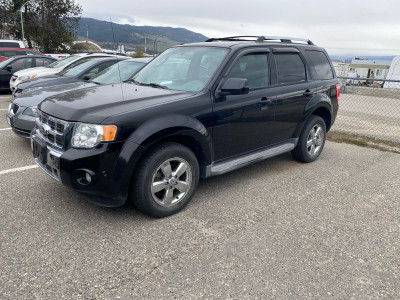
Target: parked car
[(195, 111), (16, 63), (52, 69), (80, 70), (21, 111), (12, 43), (6, 52)]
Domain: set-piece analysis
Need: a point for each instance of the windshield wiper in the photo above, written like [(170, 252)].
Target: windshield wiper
[(155, 85)]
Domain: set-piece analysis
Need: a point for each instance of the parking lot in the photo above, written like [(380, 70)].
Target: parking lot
[(277, 229)]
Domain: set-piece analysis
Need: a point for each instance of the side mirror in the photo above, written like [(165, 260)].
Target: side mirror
[(88, 76), (234, 86), (9, 68)]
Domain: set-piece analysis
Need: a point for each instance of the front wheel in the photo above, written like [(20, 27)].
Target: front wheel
[(166, 180), (311, 140)]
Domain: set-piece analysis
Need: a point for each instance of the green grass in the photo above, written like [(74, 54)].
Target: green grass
[(363, 141)]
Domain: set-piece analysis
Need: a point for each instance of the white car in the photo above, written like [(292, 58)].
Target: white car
[(54, 68)]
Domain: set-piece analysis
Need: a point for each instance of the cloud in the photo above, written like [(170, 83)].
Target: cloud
[(340, 26)]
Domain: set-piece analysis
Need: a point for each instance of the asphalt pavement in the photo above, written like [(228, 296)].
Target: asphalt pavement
[(278, 229)]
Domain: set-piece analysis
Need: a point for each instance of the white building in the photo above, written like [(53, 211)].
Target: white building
[(394, 72), (366, 68)]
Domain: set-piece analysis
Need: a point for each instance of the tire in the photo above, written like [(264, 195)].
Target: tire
[(165, 180), (311, 140)]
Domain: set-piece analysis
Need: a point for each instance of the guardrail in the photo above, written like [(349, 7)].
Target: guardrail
[(369, 107)]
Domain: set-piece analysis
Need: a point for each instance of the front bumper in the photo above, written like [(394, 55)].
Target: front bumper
[(109, 166)]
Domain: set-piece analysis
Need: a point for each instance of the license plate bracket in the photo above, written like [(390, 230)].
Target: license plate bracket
[(39, 151)]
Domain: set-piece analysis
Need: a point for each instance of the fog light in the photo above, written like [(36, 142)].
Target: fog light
[(84, 176), (88, 177)]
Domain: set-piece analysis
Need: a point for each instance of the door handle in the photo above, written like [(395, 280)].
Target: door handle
[(264, 101), (308, 93)]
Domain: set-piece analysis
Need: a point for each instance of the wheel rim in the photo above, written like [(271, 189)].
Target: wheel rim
[(171, 181), (315, 140)]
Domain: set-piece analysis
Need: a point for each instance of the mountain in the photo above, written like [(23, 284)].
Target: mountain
[(131, 36)]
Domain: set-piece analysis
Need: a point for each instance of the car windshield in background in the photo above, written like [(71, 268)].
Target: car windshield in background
[(5, 62), (182, 68), (121, 71), (62, 62), (78, 67)]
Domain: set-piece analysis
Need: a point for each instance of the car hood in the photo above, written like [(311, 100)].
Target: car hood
[(34, 97), (95, 104), (39, 71), (46, 81)]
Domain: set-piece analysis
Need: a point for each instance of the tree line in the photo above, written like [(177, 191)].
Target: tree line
[(49, 25)]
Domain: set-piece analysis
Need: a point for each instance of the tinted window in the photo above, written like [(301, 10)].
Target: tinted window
[(320, 67), (290, 68), (253, 67), (10, 44), (9, 53)]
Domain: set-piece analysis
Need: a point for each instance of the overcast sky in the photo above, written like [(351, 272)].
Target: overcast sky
[(341, 26)]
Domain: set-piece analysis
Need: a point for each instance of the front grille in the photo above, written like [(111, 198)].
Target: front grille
[(51, 129)]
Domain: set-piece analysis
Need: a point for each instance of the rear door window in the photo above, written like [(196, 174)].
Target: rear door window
[(290, 68), (320, 66), (43, 62)]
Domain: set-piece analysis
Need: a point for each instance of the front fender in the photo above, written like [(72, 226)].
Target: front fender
[(159, 128)]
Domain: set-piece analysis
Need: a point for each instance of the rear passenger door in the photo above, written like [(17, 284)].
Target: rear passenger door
[(293, 93)]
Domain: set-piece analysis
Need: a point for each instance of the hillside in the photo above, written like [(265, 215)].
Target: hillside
[(133, 36)]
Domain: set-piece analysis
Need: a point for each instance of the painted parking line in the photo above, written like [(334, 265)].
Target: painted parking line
[(4, 129), (3, 108), (18, 169)]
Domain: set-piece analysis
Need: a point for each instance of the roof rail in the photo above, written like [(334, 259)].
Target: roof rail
[(260, 39), (284, 39)]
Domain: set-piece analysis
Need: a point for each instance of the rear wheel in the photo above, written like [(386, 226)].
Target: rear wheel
[(166, 180), (311, 140)]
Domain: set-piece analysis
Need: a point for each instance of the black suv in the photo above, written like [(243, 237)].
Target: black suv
[(195, 111)]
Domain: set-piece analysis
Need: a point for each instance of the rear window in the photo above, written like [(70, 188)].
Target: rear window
[(9, 53), (320, 66), (10, 44), (290, 68)]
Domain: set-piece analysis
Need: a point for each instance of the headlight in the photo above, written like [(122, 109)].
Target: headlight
[(30, 111), (90, 135), (27, 77)]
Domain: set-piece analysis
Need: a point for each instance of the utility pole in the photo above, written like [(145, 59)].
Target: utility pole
[(145, 49)]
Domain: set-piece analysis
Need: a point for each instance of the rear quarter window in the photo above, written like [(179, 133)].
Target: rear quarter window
[(319, 65)]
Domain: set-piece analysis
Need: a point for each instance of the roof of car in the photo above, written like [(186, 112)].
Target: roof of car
[(15, 48), (32, 56), (240, 41)]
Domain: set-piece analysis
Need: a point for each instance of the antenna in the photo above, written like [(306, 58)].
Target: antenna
[(119, 71)]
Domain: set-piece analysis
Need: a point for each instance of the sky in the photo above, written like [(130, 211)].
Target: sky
[(342, 27)]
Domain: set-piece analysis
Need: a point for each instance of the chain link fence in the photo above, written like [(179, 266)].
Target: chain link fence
[(369, 107)]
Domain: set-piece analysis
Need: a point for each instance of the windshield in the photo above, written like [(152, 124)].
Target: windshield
[(182, 68), (5, 62), (78, 67), (121, 71), (62, 62)]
